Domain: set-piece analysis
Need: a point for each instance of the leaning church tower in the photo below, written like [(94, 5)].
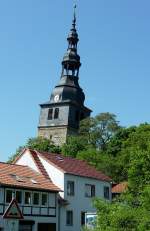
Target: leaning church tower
[(61, 115)]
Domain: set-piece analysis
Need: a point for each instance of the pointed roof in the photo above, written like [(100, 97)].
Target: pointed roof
[(71, 59), (68, 90), (73, 33)]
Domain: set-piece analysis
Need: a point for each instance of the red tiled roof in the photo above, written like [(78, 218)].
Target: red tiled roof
[(73, 166), (24, 177), (120, 188)]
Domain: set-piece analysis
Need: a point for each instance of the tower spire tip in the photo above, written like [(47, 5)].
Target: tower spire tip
[(74, 15)]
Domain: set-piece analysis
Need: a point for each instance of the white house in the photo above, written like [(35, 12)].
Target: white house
[(36, 197), (79, 183)]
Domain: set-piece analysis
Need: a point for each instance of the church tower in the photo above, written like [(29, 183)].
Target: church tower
[(61, 115)]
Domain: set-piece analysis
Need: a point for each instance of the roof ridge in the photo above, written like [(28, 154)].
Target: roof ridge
[(40, 166), (61, 154)]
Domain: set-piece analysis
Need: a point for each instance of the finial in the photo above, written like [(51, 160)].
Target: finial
[(74, 16)]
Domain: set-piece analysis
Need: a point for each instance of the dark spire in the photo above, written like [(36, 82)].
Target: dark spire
[(71, 60)]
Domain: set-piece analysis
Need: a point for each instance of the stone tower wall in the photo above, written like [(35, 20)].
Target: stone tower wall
[(57, 134)]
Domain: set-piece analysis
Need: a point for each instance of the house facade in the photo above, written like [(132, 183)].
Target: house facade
[(36, 198), (79, 184)]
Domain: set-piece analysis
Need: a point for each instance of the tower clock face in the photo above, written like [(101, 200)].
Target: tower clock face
[(56, 98)]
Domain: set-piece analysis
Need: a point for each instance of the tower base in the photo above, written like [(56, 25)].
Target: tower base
[(57, 134)]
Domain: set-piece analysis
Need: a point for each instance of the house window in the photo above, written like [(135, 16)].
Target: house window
[(56, 113), (9, 195), (27, 198), (36, 198), (19, 197), (69, 218), (106, 192), (50, 114), (82, 218), (89, 190), (44, 199), (70, 188)]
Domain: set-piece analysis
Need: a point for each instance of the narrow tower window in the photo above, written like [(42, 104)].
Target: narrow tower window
[(50, 114), (56, 113)]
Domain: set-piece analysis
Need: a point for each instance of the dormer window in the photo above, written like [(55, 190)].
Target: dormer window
[(56, 113), (50, 114)]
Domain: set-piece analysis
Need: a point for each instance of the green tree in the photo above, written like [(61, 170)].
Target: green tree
[(121, 217), (99, 130), (132, 210), (105, 128), (73, 145), (94, 133), (122, 145)]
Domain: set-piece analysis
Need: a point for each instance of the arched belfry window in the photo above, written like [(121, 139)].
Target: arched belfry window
[(50, 114), (56, 113)]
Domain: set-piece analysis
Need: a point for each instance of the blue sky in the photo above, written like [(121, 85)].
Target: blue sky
[(115, 54)]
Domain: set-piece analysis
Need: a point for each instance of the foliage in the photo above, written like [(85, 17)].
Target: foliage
[(132, 210), (121, 217), (124, 145), (95, 133), (98, 130), (73, 145)]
